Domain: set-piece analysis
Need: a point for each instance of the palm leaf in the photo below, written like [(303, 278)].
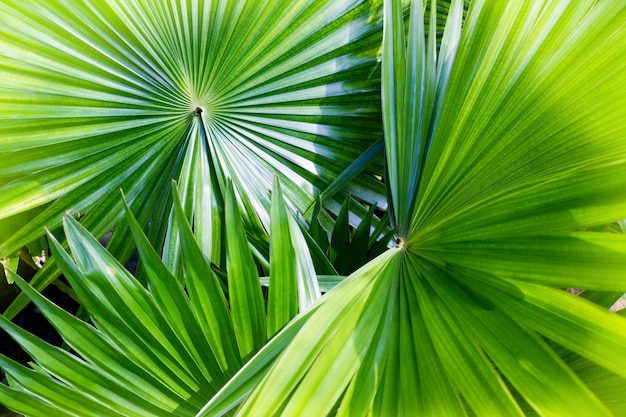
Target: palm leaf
[(95, 98), (160, 349), (498, 155), (292, 281), (523, 149)]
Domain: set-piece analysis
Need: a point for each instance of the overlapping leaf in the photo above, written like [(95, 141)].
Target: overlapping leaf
[(495, 165), (499, 154), (98, 96), (164, 349)]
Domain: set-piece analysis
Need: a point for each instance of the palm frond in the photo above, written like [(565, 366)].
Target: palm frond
[(98, 97), (522, 150), (505, 153), (165, 347)]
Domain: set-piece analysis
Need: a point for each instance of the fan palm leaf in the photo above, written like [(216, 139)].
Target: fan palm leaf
[(504, 149), (498, 153), (101, 96)]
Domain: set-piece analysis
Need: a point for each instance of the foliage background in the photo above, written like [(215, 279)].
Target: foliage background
[(504, 175)]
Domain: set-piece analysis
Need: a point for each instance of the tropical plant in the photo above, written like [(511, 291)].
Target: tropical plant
[(133, 94), (167, 347), (505, 154)]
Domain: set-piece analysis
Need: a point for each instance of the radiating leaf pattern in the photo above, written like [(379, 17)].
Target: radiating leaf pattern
[(494, 166), (101, 96), (98, 96), (506, 160)]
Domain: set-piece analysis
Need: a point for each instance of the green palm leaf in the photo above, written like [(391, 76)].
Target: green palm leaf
[(503, 144), (493, 164), (98, 97), (161, 349)]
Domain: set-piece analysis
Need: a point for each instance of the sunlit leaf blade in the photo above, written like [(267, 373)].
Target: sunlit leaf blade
[(128, 165), (238, 388), (99, 350), (360, 393), (130, 317), (413, 87), (580, 260), (609, 387), (103, 354), (207, 297), (325, 335), (393, 79), (172, 256), (138, 366), (494, 202), (345, 352), (529, 117), (569, 201), (102, 217), (511, 167), (436, 390), (27, 404), (282, 302), (201, 199), (306, 276), (522, 357), (571, 321), (476, 379), (120, 394), (244, 290), (75, 403), (208, 204), (447, 53), (170, 295)]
